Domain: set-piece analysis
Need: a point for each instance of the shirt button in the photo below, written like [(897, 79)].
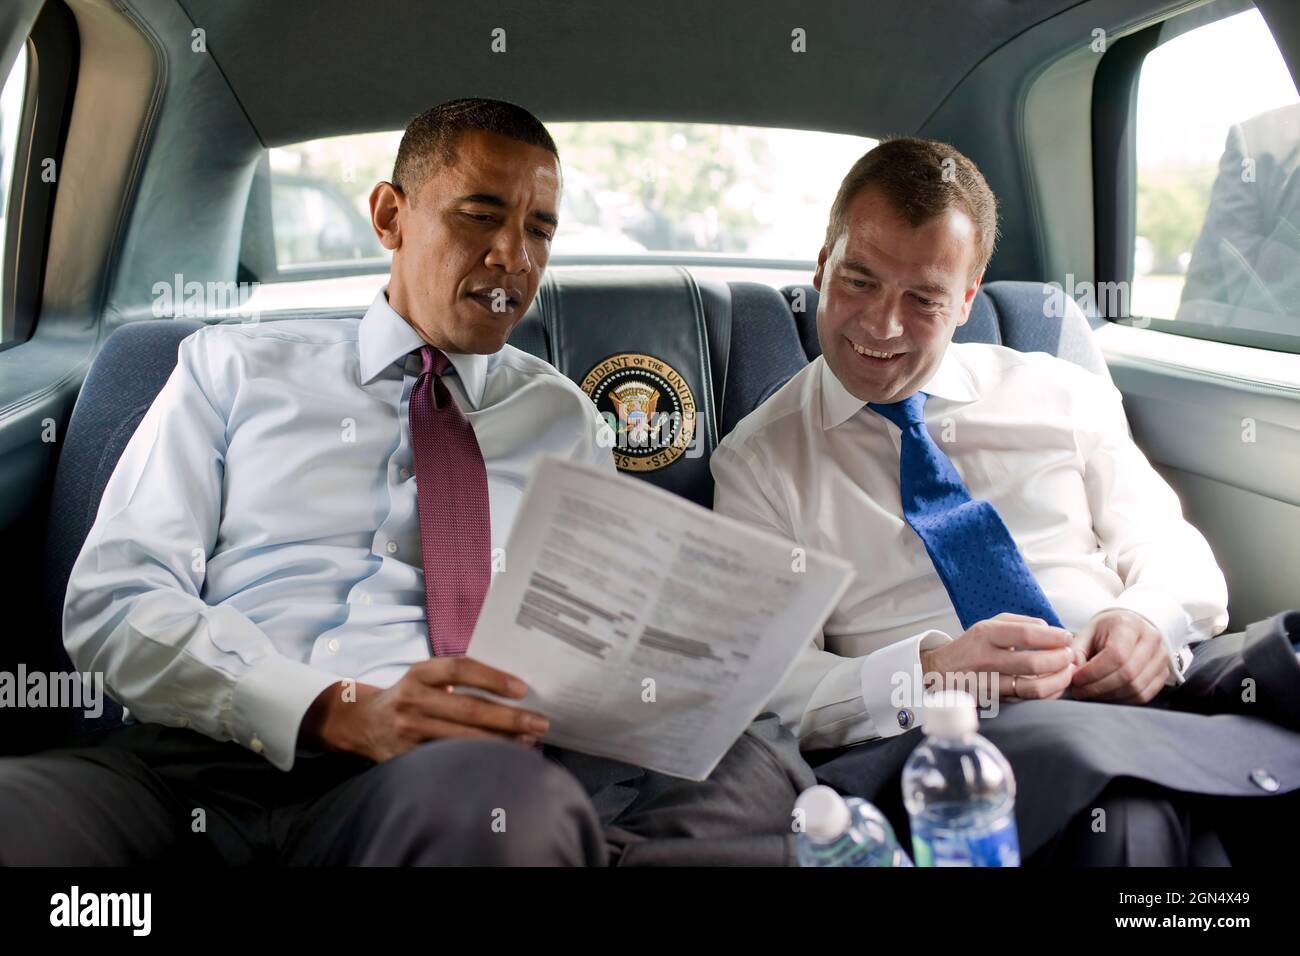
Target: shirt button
[(905, 718), (255, 745), (366, 599), (332, 645), (182, 721), (1265, 780), (405, 473), (391, 547)]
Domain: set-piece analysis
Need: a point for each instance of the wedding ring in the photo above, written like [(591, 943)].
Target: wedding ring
[(1013, 685)]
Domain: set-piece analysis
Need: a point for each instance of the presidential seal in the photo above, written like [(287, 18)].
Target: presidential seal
[(648, 406)]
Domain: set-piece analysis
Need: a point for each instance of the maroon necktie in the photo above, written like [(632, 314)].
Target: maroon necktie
[(455, 522)]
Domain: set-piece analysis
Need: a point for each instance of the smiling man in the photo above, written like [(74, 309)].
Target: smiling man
[(1004, 527), (290, 557)]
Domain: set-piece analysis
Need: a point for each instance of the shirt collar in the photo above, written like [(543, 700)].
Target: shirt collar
[(951, 381), (386, 337)]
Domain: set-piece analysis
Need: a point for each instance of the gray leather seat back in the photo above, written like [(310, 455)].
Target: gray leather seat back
[(656, 341)]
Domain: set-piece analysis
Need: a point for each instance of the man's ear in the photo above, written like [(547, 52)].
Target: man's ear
[(821, 268), (969, 299), (386, 203)]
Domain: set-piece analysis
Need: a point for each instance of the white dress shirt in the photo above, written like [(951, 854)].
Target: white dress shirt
[(1045, 441), (259, 538)]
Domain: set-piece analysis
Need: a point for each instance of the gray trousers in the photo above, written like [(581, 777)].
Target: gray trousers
[(1206, 774), (145, 793)]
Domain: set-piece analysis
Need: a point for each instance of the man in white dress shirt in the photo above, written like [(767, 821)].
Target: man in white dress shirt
[(1129, 584), (290, 555)]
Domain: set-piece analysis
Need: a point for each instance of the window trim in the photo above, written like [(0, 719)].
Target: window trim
[(53, 54), (1114, 156)]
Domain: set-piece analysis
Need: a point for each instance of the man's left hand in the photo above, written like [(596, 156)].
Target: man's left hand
[(1127, 661)]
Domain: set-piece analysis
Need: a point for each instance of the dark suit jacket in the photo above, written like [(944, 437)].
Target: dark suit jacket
[(1207, 736), (1245, 265)]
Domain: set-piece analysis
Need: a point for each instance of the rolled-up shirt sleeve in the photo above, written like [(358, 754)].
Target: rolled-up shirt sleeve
[(1168, 571), (826, 699), (134, 609)]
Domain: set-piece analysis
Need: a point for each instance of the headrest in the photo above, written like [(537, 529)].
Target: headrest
[(650, 348)]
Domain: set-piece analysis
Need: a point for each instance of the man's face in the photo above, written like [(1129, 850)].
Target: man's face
[(470, 247), (894, 290)]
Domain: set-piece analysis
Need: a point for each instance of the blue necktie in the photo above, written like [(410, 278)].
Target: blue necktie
[(977, 559)]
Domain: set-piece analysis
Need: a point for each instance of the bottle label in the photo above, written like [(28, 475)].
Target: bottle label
[(993, 845)]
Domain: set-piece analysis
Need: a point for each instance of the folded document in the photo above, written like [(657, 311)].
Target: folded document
[(648, 629)]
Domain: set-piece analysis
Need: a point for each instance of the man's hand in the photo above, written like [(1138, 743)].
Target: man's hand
[(1127, 661), (423, 705), (1033, 659)]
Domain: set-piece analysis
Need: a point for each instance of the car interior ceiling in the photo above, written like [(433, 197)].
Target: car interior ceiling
[(160, 150)]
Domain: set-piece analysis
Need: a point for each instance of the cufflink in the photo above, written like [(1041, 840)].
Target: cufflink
[(905, 718), (1179, 663), (1265, 780)]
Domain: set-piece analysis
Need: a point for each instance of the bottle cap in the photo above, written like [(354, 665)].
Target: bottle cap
[(826, 815), (949, 713)]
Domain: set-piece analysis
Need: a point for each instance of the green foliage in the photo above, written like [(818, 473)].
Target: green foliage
[(684, 186), (1171, 205)]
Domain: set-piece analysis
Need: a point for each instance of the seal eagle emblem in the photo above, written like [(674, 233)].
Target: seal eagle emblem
[(648, 406)]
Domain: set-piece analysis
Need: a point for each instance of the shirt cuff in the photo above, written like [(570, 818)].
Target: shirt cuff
[(1168, 617), (270, 700), (892, 682)]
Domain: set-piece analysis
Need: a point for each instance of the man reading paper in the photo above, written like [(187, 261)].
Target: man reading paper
[(346, 483)]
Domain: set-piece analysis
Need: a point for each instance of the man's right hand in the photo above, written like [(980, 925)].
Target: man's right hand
[(1038, 656), (381, 723)]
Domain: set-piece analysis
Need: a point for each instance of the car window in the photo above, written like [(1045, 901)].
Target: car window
[(684, 192), (316, 224), (11, 107), (1217, 244)]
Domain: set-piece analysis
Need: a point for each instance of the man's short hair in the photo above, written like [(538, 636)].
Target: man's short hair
[(922, 178), (429, 142)]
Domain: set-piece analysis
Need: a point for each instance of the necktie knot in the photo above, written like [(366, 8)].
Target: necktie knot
[(910, 411), (434, 361)]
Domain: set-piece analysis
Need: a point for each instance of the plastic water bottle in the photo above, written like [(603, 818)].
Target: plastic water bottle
[(959, 791), (840, 832)]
